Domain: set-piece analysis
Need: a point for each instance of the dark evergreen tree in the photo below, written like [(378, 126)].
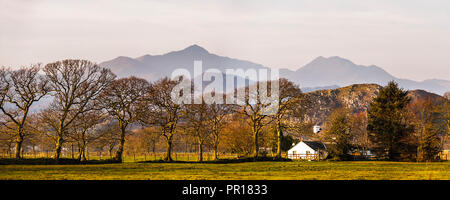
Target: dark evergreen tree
[(389, 129)]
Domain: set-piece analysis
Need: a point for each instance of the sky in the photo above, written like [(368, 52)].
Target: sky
[(408, 38)]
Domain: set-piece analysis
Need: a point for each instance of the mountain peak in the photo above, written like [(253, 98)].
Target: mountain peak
[(319, 59), (144, 57), (195, 49), (123, 58), (333, 61)]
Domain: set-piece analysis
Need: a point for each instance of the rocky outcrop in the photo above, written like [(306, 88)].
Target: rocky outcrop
[(355, 98)]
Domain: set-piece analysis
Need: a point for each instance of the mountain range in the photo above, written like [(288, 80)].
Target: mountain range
[(321, 73)]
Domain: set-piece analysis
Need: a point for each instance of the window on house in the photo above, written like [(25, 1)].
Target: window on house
[(307, 152)]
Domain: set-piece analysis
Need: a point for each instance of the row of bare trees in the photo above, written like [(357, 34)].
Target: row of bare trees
[(74, 86), (88, 104), (74, 104)]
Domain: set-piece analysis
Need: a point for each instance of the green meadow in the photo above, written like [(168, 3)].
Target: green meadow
[(264, 170)]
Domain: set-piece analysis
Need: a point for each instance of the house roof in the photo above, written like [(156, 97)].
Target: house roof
[(315, 145)]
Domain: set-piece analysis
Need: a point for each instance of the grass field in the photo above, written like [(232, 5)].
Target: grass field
[(324, 170)]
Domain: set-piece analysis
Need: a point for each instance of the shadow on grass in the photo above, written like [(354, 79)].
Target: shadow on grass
[(68, 161), (51, 161), (225, 161)]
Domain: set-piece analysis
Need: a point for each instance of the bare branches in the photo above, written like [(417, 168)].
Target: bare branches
[(75, 84), (253, 108), (125, 100), (163, 112), (4, 86), (19, 90)]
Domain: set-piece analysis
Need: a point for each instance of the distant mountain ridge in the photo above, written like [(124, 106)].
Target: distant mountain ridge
[(155, 67), (320, 73), (337, 71), (323, 72)]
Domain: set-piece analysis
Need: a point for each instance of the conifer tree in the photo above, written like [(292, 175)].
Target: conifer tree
[(388, 126)]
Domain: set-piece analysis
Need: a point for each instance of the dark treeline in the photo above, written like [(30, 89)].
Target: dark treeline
[(93, 110)]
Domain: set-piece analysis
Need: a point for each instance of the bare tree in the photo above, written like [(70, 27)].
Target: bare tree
[(20, 89), (33, 139), (110, 135), (6, 135), (429, 118), (197, 116), (339, 134), (163, 112), (218, 114), (253, 109), (236, 136), (290, 104), (125, 99), (83, 131), (149, 137), (360, 135), (75, 84)]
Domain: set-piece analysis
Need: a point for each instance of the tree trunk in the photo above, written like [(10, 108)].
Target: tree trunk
[(72, 151), (84, 154), (58, 148), (59, 142), (279, 137), (83, 147), (110, 152), (256, 145), (19, 142), (82, 151), (34, 151), (215, 146), (216, 156), (168, 156), (119, 152), (200, 151)]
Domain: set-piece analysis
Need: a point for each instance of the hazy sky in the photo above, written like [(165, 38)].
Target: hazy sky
[(409, 39)]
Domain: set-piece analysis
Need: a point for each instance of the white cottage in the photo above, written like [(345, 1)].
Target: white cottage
[(309, 150)]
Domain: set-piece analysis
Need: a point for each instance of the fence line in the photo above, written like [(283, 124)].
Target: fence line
[(304, 156), (128, 156)]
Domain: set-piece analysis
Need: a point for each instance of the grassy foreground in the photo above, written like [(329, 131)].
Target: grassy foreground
[(234, 171)]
